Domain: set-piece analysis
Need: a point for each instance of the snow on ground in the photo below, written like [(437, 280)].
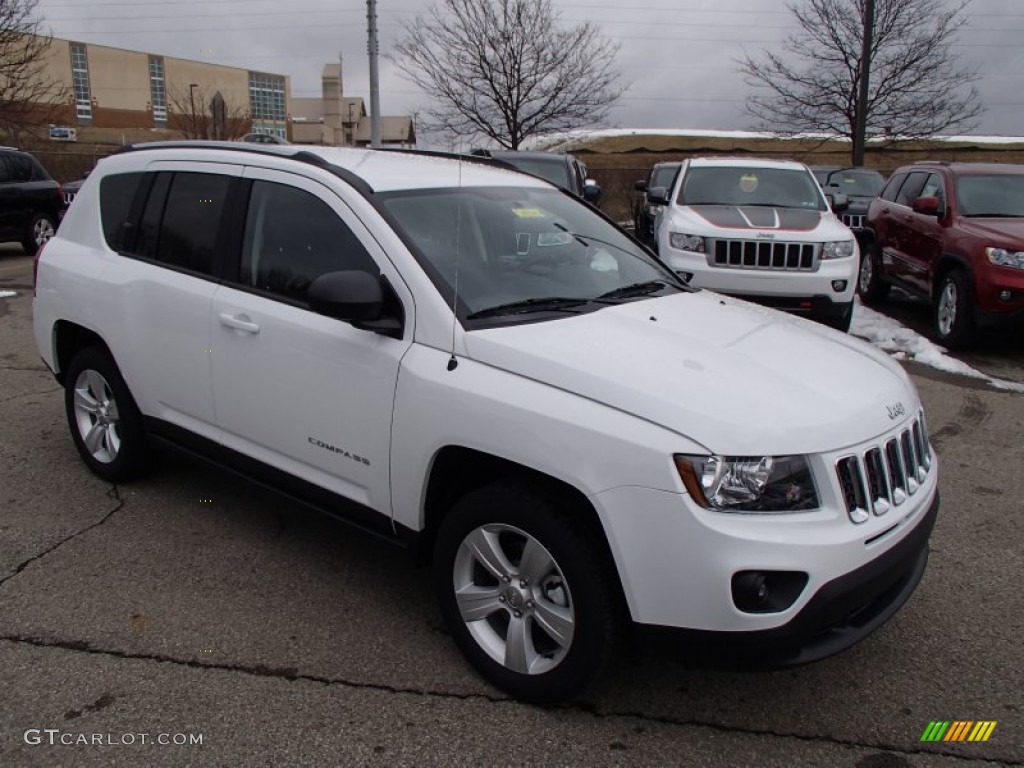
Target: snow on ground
[(7, 294), (904, 344)]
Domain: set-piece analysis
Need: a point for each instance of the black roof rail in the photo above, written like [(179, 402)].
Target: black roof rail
[(472, 157), (293, 151)]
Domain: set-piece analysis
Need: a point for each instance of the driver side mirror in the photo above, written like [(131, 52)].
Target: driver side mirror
[(356, 297), (837, 201), (657, 196), (929, 206), (591, 191)]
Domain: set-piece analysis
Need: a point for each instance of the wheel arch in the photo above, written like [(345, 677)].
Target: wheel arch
[(948, 262), (68, 340), (457, 470)]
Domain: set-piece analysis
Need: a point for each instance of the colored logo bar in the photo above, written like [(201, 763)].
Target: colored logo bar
[(958, 730)]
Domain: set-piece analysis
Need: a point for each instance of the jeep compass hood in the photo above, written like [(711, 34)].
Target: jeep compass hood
[(732, 376)]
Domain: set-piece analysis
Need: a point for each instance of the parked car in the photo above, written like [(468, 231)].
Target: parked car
[(762, 230), (31, 202), (563, 170), (953, 234), (479, 367), (859, 186), (822, 172), (263, 138), (661, 175), (71, 190)]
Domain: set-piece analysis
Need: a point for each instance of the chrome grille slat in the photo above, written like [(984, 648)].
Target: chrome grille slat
[(763, 254), (886, 474), (853, 220)]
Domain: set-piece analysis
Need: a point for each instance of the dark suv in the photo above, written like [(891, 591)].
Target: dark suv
[(952, 233), (860, 186), (661, 175), (562, 170), (30, 200)]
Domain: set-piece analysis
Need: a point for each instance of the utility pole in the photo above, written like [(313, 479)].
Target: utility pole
[(373, 48), (860, 133)]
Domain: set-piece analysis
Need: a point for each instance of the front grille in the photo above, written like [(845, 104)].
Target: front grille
[(761, 254), (885, 475), (69, 197), (854, 221)]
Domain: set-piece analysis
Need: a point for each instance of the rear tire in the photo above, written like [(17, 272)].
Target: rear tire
[(527, 596), (954, 311), (870, 287), (40, 229), (105, 422)]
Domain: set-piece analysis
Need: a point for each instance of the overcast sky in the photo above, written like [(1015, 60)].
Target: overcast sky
[(677, 56)]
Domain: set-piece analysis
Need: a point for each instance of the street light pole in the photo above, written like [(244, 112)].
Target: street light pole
[(192, 98), (373, 48), (860, 133)]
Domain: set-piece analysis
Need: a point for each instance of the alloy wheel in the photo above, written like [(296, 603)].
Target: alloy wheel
[(96, 416), (514, 599), (947, 308), (867, 272), (43, 230)]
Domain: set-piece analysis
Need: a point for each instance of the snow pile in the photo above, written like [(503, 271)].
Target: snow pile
[(904, 344), (7, 294)]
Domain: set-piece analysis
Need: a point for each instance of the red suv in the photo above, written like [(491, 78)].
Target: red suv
[(952, 233)]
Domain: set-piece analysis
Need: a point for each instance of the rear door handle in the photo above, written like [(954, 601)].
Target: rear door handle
[(239, 323)]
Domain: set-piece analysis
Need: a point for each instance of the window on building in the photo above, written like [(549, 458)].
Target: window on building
[(80, 81), (158, 90), (267, 104)]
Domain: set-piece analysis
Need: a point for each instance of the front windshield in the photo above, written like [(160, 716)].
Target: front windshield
[(733, 185), (999, 195), (555, 170), (856, 183), (519, 245)]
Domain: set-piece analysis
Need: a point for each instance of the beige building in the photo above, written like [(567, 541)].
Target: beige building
[(121, 90), (340, 120)]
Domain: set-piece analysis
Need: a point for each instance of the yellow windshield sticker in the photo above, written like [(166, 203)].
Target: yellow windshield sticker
[(528, 213), (748, 182)]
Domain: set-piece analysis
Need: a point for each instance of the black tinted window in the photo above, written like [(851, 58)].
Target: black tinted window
[(117, 193), (893, 187), (293, 237), (911, 189), (19, 168), (5, 171), (663, 177), (190, 223)]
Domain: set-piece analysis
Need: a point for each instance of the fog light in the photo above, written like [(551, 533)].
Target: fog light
[(1005, 295), (838, 286), (767, 591)]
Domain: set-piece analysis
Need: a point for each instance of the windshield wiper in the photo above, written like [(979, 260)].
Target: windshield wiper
[(545, 304), (639, 289)]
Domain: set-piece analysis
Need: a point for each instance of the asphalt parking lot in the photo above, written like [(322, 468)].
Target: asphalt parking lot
[(192, 607)]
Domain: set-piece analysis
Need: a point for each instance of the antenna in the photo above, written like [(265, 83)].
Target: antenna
[(452, 362)]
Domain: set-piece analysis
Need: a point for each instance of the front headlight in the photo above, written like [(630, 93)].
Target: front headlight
[(838, 250), (749, 483), (1005, 258), (683, 242)]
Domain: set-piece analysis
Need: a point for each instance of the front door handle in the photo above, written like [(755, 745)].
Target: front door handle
[(239, 323)]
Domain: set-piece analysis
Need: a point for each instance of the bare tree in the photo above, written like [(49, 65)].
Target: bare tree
[(29, 97), (915, 86), (200, 114), (507, 69)]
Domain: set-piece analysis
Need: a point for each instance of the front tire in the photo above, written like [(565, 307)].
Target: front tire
[(526, 597), (105, 422), (870, 287), (954, 311), (40, 229)]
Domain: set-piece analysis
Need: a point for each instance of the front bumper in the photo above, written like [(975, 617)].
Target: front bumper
[(841, 614), (766, 283)]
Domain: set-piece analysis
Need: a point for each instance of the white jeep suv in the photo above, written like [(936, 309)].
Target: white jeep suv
[(466, 361), (762, 230)]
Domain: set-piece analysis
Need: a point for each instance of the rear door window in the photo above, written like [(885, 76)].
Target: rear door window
[(117, 193)]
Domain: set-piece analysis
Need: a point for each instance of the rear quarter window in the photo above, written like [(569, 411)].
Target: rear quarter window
[(117, 193)]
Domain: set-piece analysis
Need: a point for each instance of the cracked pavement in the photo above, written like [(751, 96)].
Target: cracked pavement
[(193, 603)]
